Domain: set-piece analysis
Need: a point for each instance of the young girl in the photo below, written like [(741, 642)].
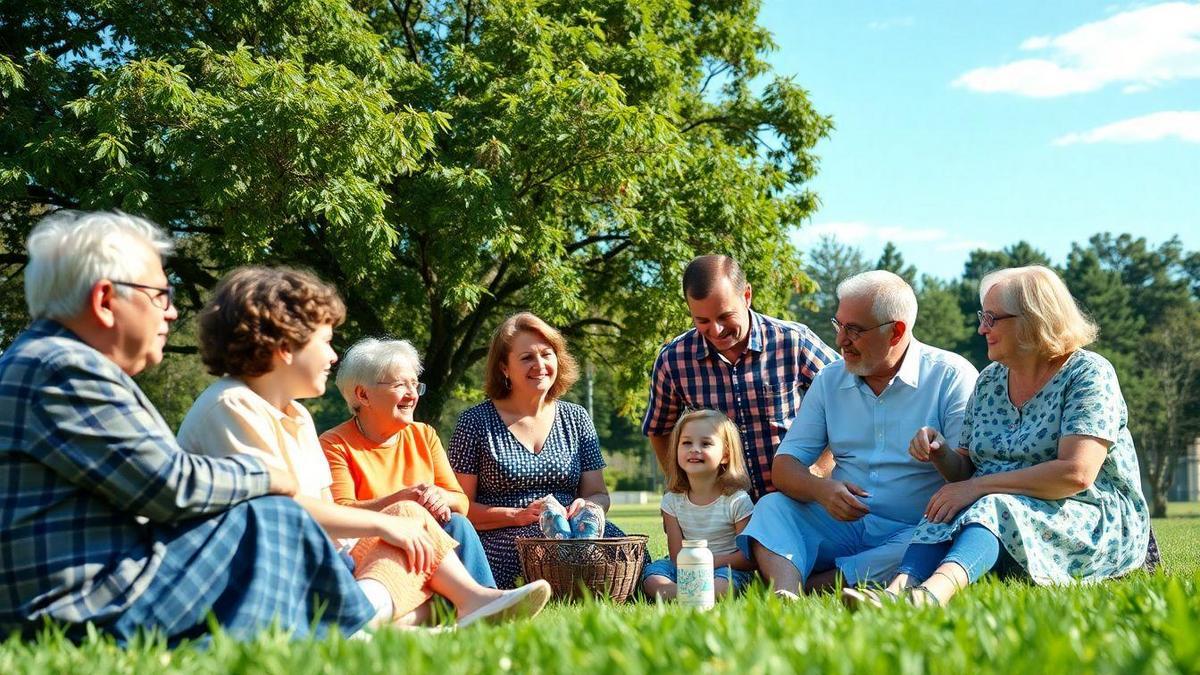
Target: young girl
[(706, 499), (267, 332)]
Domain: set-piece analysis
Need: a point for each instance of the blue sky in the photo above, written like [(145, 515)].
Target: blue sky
[(963, 125)]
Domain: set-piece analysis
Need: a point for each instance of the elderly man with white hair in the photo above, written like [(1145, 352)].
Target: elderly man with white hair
[(857, 522), (104, 519)]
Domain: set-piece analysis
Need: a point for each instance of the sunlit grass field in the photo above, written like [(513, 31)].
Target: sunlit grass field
[(1139, 624)]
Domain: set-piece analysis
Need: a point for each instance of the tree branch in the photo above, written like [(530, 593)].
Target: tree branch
[(468, 20), (609, 254), (576, 327), (705, 120), (596, 239), (410, 39), (713, 72)]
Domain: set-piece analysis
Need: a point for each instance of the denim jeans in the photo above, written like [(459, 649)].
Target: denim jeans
[(470, 549), (975, 549)]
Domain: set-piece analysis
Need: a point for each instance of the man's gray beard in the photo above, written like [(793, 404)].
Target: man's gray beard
[(863, 368)]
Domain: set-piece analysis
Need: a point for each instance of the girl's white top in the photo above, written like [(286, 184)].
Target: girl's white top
[(713, 522)]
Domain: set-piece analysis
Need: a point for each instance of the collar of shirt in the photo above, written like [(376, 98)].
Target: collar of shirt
[(756, 343), (295, 420), (909, 373)]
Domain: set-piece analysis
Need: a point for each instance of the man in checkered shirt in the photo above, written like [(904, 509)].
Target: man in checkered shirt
[(752, 367), (104, 520)]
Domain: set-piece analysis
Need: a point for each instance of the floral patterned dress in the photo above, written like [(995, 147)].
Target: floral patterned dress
[(1099, 533)]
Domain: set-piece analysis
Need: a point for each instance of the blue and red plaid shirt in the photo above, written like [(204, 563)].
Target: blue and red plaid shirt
[(761, 392), (90, 472)]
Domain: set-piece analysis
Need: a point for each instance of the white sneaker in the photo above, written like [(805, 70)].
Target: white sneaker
[(518, 603)]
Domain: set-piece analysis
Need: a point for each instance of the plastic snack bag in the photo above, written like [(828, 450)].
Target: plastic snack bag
[(588, 523), (554, 519)]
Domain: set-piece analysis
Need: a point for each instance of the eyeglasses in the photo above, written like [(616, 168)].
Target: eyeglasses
[(161, 298), (989, 319), (417, 388), (854, 332)]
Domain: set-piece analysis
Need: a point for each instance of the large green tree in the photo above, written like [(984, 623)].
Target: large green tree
[(1142, 298), (827, 264), (443, 162)]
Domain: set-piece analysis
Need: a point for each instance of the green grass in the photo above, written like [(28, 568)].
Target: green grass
[(1139, 624)]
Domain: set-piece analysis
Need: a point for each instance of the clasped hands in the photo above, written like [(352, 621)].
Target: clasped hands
[(432, 497)]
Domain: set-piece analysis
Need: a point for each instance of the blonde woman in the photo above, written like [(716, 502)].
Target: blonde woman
[(706, 499), (1044, 476)]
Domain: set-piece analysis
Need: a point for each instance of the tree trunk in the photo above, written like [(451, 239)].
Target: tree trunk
[(1158, 504)]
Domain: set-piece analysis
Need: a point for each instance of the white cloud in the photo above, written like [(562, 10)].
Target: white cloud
[(1181, 124), (888, 24), (1140, 48), (858, 233)]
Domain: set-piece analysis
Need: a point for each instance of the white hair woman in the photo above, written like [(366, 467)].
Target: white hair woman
[(382, 456), (1044, 476)]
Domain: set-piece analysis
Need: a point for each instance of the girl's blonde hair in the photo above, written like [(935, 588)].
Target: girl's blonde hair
[(731, 477)]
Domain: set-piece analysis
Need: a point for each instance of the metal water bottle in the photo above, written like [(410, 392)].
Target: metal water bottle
[(694, 575)]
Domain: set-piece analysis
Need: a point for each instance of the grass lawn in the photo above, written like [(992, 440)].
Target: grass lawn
[(1139, 624)]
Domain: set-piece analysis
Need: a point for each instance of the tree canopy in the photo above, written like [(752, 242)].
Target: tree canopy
[(443, 162)]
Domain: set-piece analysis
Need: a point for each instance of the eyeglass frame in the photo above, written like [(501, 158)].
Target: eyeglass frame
[(989, 319), (855, 333), (418, 388), (168, 290)]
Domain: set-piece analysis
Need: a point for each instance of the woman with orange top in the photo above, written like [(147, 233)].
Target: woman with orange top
[(381, 456)]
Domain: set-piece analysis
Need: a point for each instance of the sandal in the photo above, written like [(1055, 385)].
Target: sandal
[(931, 600), (856, 598)]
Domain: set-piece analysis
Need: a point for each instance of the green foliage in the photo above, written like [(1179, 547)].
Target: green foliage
[(828, 263), (941, 321), (1149, 318), (444, 163), (893, 261)]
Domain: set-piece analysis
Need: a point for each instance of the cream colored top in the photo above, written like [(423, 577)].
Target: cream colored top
[(713, 521), (230, 419)]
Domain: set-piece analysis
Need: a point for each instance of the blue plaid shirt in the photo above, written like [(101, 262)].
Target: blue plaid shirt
[(761, 393), (91, 477)]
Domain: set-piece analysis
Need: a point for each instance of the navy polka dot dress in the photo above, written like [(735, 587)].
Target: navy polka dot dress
[(510, 475)]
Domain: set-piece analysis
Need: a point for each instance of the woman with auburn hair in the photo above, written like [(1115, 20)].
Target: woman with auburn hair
[(523, 443), (1044, 478), (267, 332)]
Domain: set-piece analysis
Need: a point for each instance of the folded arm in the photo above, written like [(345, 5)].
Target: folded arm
[(98, 435)]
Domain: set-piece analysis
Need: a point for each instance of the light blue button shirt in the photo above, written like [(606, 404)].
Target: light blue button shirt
[(869, 434)]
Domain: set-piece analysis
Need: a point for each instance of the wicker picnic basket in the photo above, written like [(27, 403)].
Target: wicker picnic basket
[(601, 567)]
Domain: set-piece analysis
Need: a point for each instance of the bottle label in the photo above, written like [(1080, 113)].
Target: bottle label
[(694, 586)]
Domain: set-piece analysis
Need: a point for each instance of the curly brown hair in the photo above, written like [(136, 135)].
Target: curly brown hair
[(255, 311), (496, 385)]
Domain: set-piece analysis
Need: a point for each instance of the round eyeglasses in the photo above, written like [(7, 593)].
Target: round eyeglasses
[(161, 297), (855, 332), (989, 319), (417, 388)]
